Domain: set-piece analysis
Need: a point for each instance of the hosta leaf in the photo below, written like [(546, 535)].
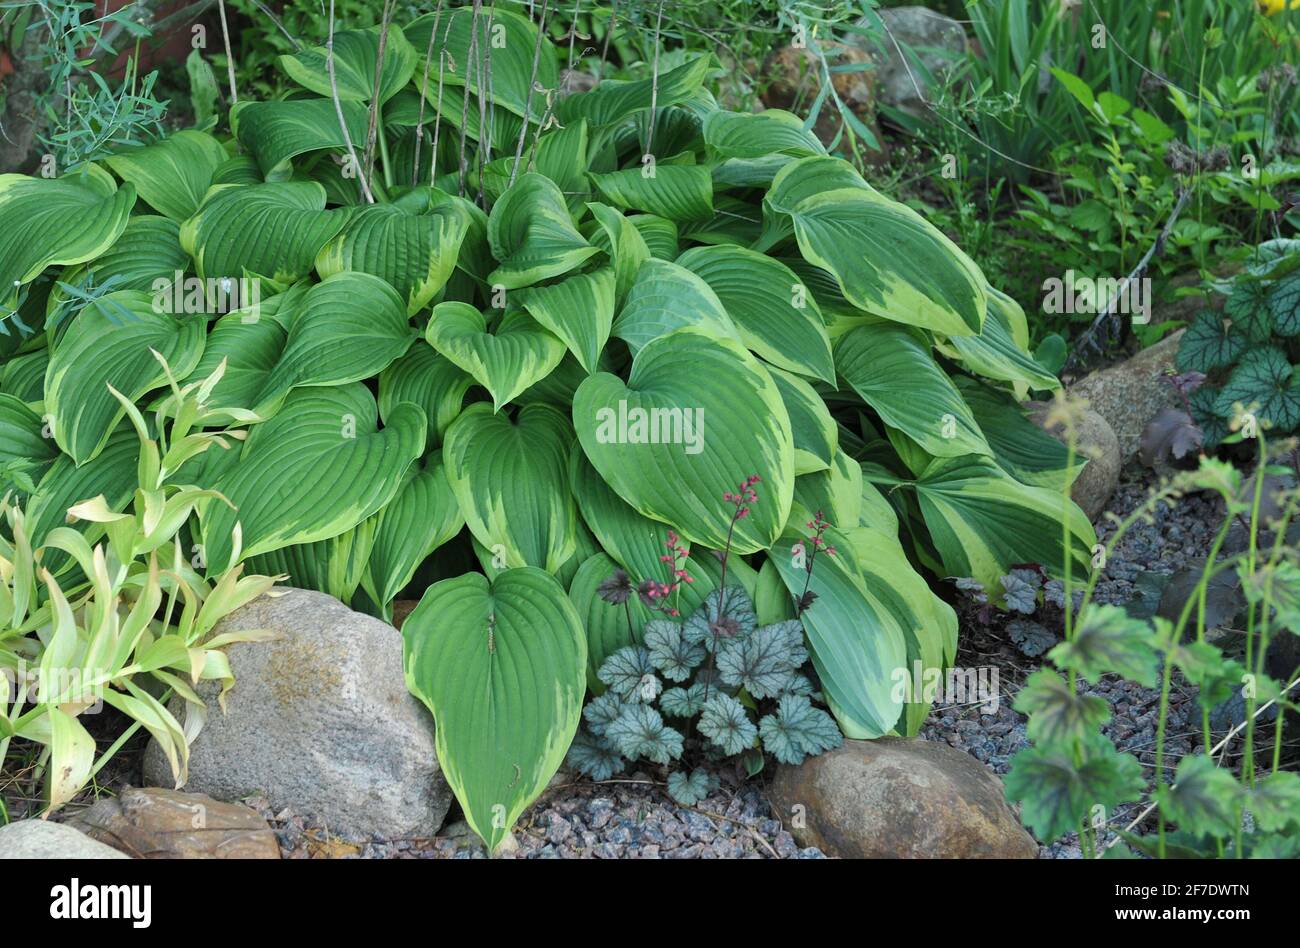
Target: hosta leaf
[(640, 732), (982, 521), (172, 175), (325, 437), (679, 379), (532, 234), (1021, 448), (356, 54), (1284, 305), (250, 345), (855, 641), (894, 373), (887, 259), (513, 39), (500, 666), (511, 479), (835, 493), (995, 354), (622, 243), (613, 100), (579, 310), (561, 156), (1203, 798), (675, 192), (760, 134), (798, 730), (277, 131), (775, 314), (658, 234), (108, 344), (421, 517), (816, 437), (268, 230), (764, 661), (506, 362), (429, 380), (44, 222), (1263, 382), (725, 722), (20, 434), (334, 566), (148, 253), (608, 627), (333, 341), (1209, 343), (673, 655), (411, 244), (1107, 640), (1058, 715), (24, 376), (666, 297)]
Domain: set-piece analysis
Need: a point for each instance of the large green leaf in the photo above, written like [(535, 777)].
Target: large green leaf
[(579, 310), (776, 315), (666, 297), (835, 493), (278, 131), (268, 230), (995, 354), (109, 344), (815, 434), (58, 221), (666, 441), (675, 192), (855, 640), (1021, 448), (532, 235), (759, 134), (893, 371), (983, 522), (411, 243), (887, 259), (172, 175), (334, 566), (429, 380), (511, 479), (613, 100), (356, 53), (419, 519), (325, 437), (506, 362), (615, 234), (22, 441), (147, 256), (502, 667)]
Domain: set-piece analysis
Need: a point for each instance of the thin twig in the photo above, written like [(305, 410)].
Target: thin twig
[(424, 92), (338, 109), (230, 57), (654, 83), (372, 127), (528, 99), (464, 108), (609, 33), (437, 121), (270, 15)]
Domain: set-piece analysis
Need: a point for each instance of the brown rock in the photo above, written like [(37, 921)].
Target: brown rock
[(1130, 394), (1095, 441), (897, 798), (794, 76), (154, 823)]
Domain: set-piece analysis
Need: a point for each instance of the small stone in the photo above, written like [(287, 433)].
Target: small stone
[(157, 823), (41, 839)]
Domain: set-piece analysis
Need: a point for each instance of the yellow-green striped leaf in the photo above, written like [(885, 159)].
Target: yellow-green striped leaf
[(506, 362), (579, 310)]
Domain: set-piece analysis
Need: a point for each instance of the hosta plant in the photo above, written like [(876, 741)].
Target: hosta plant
[(491, 355)]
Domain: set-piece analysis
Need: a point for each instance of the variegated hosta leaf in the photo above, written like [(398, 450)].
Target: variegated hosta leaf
[(579, 310), (856, 642), (666, 297), (325, 437), (108, 344), (411, 243), (666, 440), (561, 156), (608, 627), (996, 354), (45, 222), (22, 443), (24, 376), (250, 349), (622, 243), (511, 480), (775, 313), (280, 130), (760, 134), (501, 666), (676, 192), (532, 235), (1021, 448), (356, 53), (636, 543), (982, 521), (148, 253), (172, 175), (816, 436), (429, 380), (422, 517), (893, 371), (659, 235), (613, 100), (334, 566), (267, 230), (887, 259), (835, 493), (506, 362), (513, 38)]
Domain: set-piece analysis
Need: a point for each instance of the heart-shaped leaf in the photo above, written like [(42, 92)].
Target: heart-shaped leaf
[(580, 310), (506, 362), (356, 53), (278, 131), (666, 297), (675, 192), (501, 666), (651, 439), (429, 380), (532, 234), (172, 175)]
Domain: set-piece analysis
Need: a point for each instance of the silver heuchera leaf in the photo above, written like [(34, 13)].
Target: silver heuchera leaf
[(764, 662), (670, 652), (725, 722), (708, 624)]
